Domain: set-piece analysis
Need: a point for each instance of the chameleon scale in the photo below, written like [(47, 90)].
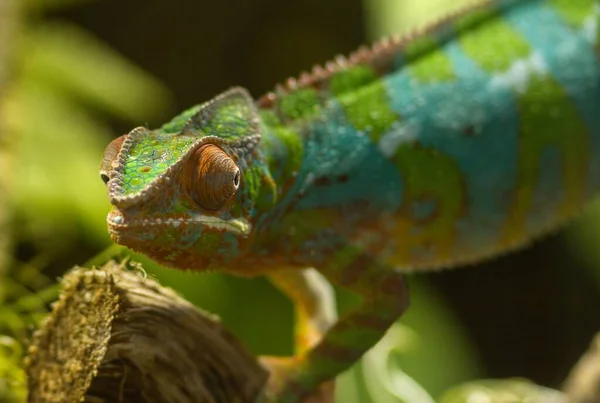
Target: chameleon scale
[(455, 144)]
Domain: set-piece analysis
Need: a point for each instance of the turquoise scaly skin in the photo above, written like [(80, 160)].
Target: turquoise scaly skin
[(455, 144)]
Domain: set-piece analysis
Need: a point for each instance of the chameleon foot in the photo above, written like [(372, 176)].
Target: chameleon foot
[(285, 384)]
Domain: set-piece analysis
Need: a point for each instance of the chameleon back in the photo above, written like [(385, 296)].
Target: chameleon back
[(463, 143)]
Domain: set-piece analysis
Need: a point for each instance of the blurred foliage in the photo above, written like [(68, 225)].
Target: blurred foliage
[(60, 109), (12, 377), (388, 17), (65, 84), (502, 391), (428, 336)]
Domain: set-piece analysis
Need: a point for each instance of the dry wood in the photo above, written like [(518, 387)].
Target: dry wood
[(115, 336)]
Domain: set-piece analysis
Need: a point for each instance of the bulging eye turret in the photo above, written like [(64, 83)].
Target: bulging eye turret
[(212, 177)]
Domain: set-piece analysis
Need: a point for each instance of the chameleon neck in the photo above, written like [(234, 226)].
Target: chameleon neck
[(283, 146)]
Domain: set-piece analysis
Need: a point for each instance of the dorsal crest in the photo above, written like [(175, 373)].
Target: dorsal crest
[(383, 56)]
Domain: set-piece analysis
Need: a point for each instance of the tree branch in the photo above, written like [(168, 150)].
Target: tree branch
[(116, 336)]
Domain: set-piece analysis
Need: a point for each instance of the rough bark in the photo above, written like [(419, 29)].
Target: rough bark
[(116, 336)]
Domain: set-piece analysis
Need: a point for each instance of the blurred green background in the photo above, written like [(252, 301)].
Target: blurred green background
[(76, 73)]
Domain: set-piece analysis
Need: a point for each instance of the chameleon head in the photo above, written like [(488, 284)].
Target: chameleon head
[(187, 199)]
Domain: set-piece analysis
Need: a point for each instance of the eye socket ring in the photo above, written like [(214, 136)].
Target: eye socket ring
[(212, 177)]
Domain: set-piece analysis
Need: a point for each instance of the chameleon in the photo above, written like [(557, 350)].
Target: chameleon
[(459, 142)]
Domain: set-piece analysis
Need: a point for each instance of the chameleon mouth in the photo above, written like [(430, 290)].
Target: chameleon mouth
[(118, 223)]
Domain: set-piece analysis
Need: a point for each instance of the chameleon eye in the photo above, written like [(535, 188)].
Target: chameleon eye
[(212, 177)]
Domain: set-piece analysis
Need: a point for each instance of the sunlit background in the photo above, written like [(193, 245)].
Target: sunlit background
[(76, 73)]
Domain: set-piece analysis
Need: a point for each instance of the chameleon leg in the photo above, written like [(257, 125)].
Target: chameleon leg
[(314, 302), (385, 298)]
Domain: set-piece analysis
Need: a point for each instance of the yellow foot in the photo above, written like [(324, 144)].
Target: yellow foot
[(284, 386)]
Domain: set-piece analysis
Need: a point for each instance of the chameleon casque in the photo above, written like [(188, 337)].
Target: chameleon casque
[(460, 142)]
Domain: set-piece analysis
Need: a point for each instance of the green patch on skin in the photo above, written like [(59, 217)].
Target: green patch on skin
[(539, 109), (431, 68), (284, 148), (364, 100), (299, 104), (229, 121), (259, 187), (546, 113), (269, 118), (368, 109), (429, 174), (252, 180), (351, 79), (573, 12), (431, 179), (176, 124), (494, 46), (294, 147), (425, 62), (150, 157)]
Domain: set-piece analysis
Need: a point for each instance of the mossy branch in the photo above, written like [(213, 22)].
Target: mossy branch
[(115, 336)]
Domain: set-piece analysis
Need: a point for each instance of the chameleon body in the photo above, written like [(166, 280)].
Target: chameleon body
[(456, 144)]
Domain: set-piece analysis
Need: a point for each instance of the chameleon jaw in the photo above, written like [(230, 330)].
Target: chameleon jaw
[(117, 223), (160, 238)]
